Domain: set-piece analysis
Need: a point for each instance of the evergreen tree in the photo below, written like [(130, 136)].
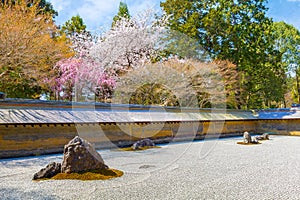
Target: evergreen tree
[(44, 6), (234, 30), (73, 26), (287, 44), (48, 8), (123, 13)]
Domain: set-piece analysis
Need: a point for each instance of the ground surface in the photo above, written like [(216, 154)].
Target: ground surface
[(211, 169)]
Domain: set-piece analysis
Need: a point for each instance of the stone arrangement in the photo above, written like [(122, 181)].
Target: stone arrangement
[(254, 140), (79, 156), (142, 143), (264, 136)]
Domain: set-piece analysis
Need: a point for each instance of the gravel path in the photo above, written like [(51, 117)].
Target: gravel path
[(211, 169)]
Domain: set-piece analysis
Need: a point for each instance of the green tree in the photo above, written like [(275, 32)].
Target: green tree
[(123, 13), (234, 30), (45, 6), (184, 38), (287, 43), (73, 26), (185, 16)]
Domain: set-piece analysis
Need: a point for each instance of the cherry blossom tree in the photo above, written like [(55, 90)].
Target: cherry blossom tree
[(100, 59), (75, 75), (131, 42)]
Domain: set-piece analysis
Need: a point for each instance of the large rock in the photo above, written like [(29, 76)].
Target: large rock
[(247, 138), (254, 140), (142, 143), (264, 136), (49, 171), (80, 155)]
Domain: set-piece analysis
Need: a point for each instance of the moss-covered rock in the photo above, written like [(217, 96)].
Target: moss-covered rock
[(243, 143), (101, 174)]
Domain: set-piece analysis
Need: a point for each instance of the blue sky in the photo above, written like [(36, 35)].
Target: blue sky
[(99, 13)]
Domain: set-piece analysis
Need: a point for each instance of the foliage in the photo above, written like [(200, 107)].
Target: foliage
[(81, 73), (43, 5), (185, 47), (46, 7), (122, 13), (287, 41), (287, 44), (130, 43), (185, 16), (185, 83), (230, 79), (185, 23), (204, 79), (100, 59), (73, 26), (27, 49), (237, 31), (153, 94)]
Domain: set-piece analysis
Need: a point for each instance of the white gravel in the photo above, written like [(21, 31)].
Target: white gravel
[(210, 169)]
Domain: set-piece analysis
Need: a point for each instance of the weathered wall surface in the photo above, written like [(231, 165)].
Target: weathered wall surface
[(34, 139), (21, 140), (280, 126), (32, 128)]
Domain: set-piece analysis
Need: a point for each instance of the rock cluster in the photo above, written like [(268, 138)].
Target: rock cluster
[(142, 143), (79, 156), (254, 140), (264, 136)]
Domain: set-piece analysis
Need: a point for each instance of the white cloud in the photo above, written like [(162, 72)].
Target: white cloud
[(98, 13), (60, 5), (135, 7)]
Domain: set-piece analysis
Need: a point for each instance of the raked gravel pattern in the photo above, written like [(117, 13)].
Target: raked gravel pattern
[(209, 169)]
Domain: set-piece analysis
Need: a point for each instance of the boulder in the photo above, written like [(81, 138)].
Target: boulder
[(264, 136), (247, 138), (142, 143), (49, 171), (254, 140), (79, 156)]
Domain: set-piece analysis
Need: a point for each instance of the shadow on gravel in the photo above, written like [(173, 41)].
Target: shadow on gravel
[(14, 193), (29, 161)]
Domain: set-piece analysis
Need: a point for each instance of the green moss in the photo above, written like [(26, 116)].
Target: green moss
[(140, 149), (242, 143), (102, 174)]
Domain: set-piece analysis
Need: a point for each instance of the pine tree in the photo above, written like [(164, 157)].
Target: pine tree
[(73, 26), (123, 13)]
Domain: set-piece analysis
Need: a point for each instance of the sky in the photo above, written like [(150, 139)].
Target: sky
[(98, 14)]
